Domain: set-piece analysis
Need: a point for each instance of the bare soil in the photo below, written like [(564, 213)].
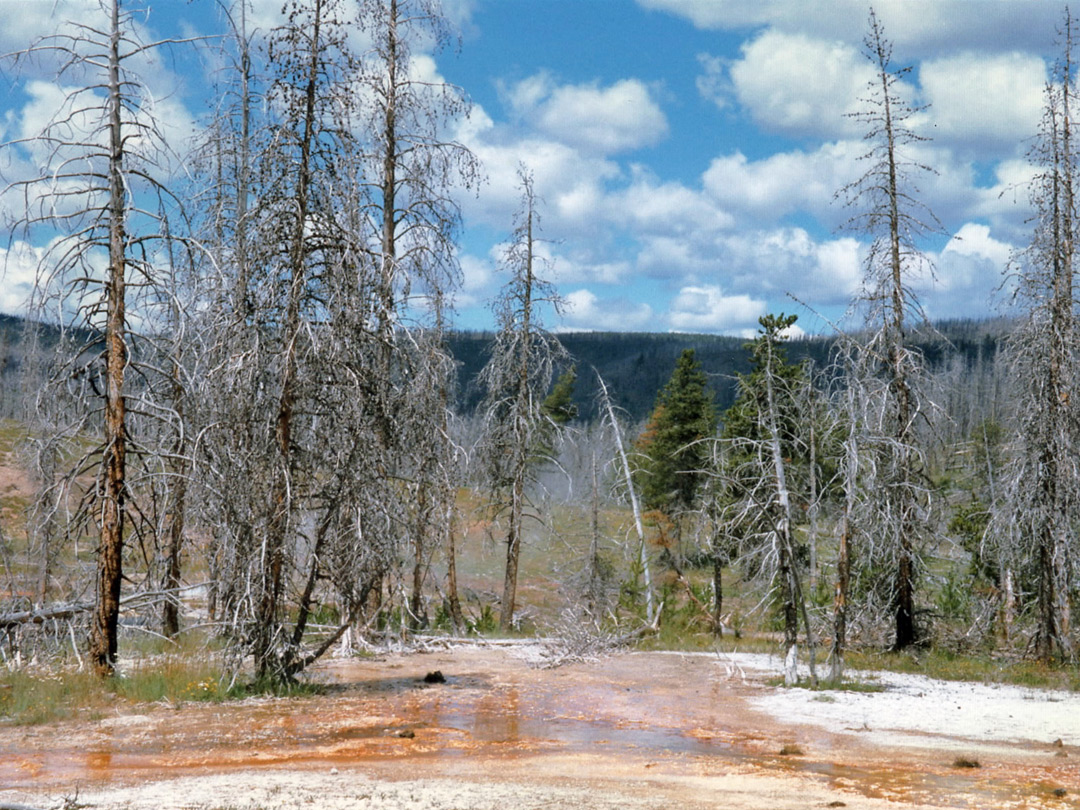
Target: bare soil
[(635, 730)]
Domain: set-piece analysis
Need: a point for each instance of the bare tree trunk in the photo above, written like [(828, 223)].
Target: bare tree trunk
[(266, 621), (457, 617), (782, 527), (814, 506), (895, 219), (521, 450), (643, 551), (110, 554), (170, 615), (513, 556), (843, 560)]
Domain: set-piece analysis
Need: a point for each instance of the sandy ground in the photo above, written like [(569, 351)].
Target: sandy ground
[(636, 730)]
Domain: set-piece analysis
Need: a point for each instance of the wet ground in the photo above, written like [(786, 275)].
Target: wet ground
[(662, 728)]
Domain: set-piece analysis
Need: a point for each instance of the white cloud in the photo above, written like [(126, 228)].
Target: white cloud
[(585, 310), (600, 120), (789, 260), (478, 281), (979, 99), (709, 309), (914, 25), (675, 257), (793, 83), (18, 272), (567, 182), (974, 240), (968, 271), (775, 186), (671, 209), (583, 267), (712, 83)]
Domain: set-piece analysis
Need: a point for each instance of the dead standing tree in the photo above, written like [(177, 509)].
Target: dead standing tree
[(765, 437), (517, 378), (282, 230), (332, 200), (104, 164), (1042, 498), (411, 168), (888, 210)]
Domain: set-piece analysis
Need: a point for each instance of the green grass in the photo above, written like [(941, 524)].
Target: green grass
[(824, 685), (976, 667), (161, 672)]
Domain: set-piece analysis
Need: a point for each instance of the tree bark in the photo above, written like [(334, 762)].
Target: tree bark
[(103, 641)]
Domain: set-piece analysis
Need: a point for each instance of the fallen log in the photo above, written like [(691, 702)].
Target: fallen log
[(41, 615)]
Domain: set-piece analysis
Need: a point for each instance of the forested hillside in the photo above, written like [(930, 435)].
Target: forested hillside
[(635, 365)]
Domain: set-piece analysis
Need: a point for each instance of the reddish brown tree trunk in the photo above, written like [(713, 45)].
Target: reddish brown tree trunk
[(110, 553)]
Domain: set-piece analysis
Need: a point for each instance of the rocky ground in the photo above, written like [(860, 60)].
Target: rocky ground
[(635, 730)]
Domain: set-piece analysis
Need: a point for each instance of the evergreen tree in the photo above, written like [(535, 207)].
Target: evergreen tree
[(673, 455), (559, 406)]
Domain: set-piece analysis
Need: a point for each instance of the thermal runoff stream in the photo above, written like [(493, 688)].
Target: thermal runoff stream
[(633, 729)]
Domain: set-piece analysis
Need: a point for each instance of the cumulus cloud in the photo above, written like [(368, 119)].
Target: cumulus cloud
[(789, 260), (709, 309), (18, 271), (583, 266), (674, 257), (968, 271), (600, 120), (979, 101), (785, 182), (796, 84), (569, 183), (585, 310), (673, 209), (477, 281), (925, 26)]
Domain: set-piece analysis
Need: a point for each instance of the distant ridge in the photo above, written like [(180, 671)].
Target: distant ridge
[(635, 365)]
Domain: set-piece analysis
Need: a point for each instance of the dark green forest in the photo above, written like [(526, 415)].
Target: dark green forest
[(635, 365)]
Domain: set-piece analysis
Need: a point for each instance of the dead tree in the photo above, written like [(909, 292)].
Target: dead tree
[(105, 166), (516, 379), (410, 171), (328, 217), (765, 431), (889, 212), (608, 411), (1042, 498), (281, 229)]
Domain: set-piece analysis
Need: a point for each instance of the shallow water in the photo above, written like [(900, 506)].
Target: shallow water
[(628, 715)]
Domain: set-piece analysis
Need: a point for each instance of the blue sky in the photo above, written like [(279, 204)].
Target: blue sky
[(687, 151)]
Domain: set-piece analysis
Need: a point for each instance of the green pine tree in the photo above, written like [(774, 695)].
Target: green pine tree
[(672, 454), (559, 406)]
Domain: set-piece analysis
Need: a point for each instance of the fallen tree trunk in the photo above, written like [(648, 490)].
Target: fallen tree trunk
[(41, 615)]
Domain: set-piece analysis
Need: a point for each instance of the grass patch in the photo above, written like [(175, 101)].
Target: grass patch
[(274, 688), (791, 750), (824, 685), (37, 696), (978, 668), (32, 699)]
